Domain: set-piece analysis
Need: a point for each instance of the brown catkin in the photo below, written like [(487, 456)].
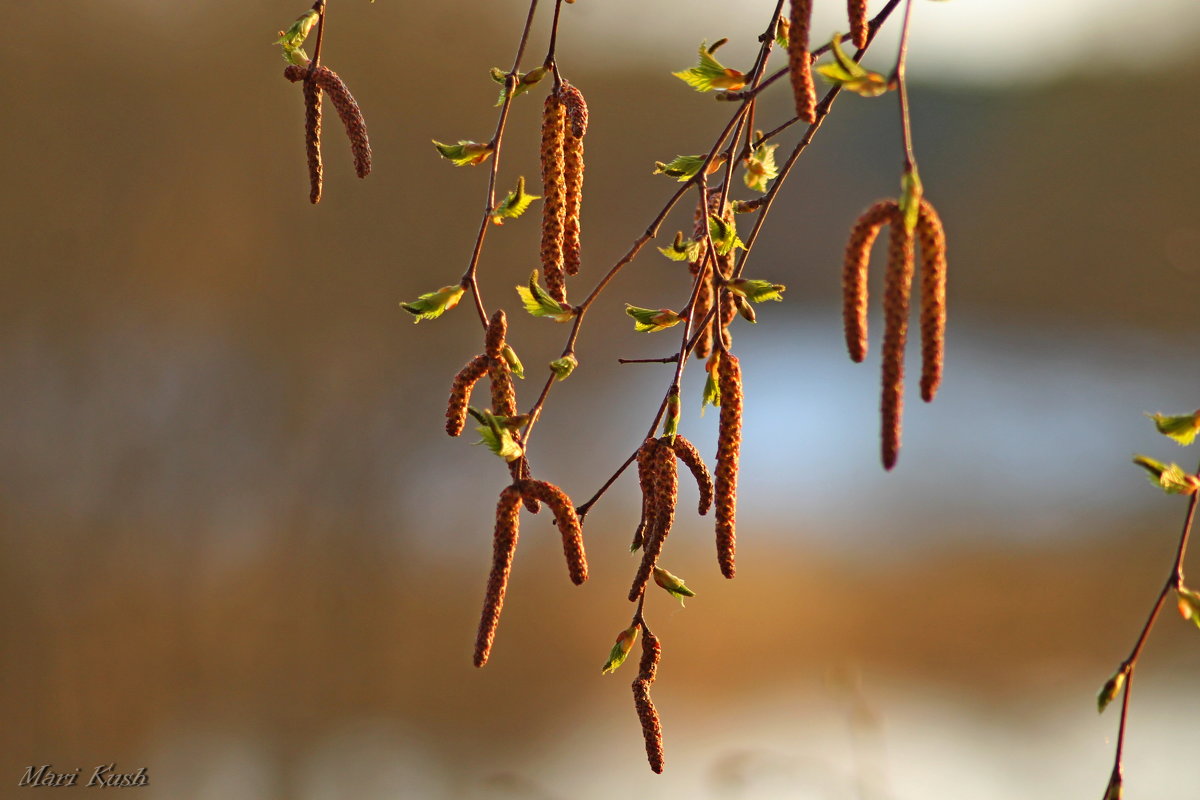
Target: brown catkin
[(460, 393), (729, 445), (857, 11), (347, 108), (704, 304), (494, 337), (933, 299), (568, 524), (554, 195), (504, 544), (646, 480), (519, 469), (577, 118), (800, 63), (666, 494), (898, 287), (690, 456), (504, 396), (312, 139), (854, 274), (647, 713)]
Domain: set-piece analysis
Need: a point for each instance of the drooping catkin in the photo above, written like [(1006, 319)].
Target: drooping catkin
[(460, 393), (312, 139), (933, 299), (800, 63), (504, 396), (347, 108), (504, 544), (568, 524), (666, 494), (690, 456), (577, 120), (704, 304), (495, 335), (646, 479), (857, 11), (729, 445), (647, 713), (519, 469), (898, 288), (854, 274), (553, 195)]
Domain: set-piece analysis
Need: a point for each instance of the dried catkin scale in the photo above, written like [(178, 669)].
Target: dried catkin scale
[(800, 63), (690, 456), (553, 196), (647, 713), (577, 119), (460, 393), (729, 445), (666, 493), (504, 544), (898, 287), (854, 274), (568, 524), (347, 108), (857, 11), (933, 299), (312, 139), (646, 480)]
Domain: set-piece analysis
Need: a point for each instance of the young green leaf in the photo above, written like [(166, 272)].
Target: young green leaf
[(781, 32), (651, 320), (671, 416), (911, 193), (539, 303), (724, 235), (683, 168), (563, 367), (712, 389), (497, 434), (1111, 689), (514, 204), (464, 153), (1182, 428), (525, 81), (761, 167), (620, 650), (756, 291), (673, 584), (1169, 477), (292, 39), (711, 74), (433, 304), (514, 364), (849, 74), (1189, 604), (681, 249)]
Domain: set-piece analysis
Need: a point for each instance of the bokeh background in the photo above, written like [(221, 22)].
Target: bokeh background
[(236, 547)]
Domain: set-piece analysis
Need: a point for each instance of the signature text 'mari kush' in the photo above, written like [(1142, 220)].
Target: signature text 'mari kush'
[(104, 775)]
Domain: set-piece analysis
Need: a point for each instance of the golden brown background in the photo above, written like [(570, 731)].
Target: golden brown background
[(236, 548)]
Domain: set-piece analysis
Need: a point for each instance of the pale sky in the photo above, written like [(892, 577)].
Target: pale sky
[(990, 41)]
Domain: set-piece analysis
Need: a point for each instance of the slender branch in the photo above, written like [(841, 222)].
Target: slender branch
[(550, 61), (319, 7), (900, 81)]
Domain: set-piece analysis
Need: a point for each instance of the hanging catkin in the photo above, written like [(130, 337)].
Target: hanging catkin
[(347, 108), (312, 139), (567, 521), (933, 299), (898, 287), (460, 393), (647, 477), (800, 63), (854, 274), (504, 544), (553, 195), (690, 456), (729, 444), (857, 11), (647, 713), (577, 120), (666, 494)]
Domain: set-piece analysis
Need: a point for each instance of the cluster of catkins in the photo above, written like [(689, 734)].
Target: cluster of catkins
[(318, 79)]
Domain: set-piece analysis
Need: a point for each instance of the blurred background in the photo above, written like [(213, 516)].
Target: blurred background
[(238, 549)]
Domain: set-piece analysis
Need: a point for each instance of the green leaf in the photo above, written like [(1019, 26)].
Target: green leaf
[(761, 167), (756, 291), (563, 367), (620, 650), (1189, 604), (711, 74), (1111, 689), (292, 39), (683, 168), (681, 249), (497, 434), (724, 235), (911, 193), (849, 74), (433, 304), (464, 153), (1182, 428), (540, 304), (712, 389), (514, 204), (525, 81), (514, 364), (651, 320), (1171, 478), (782, 30), (673, 584), (671, 417)]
